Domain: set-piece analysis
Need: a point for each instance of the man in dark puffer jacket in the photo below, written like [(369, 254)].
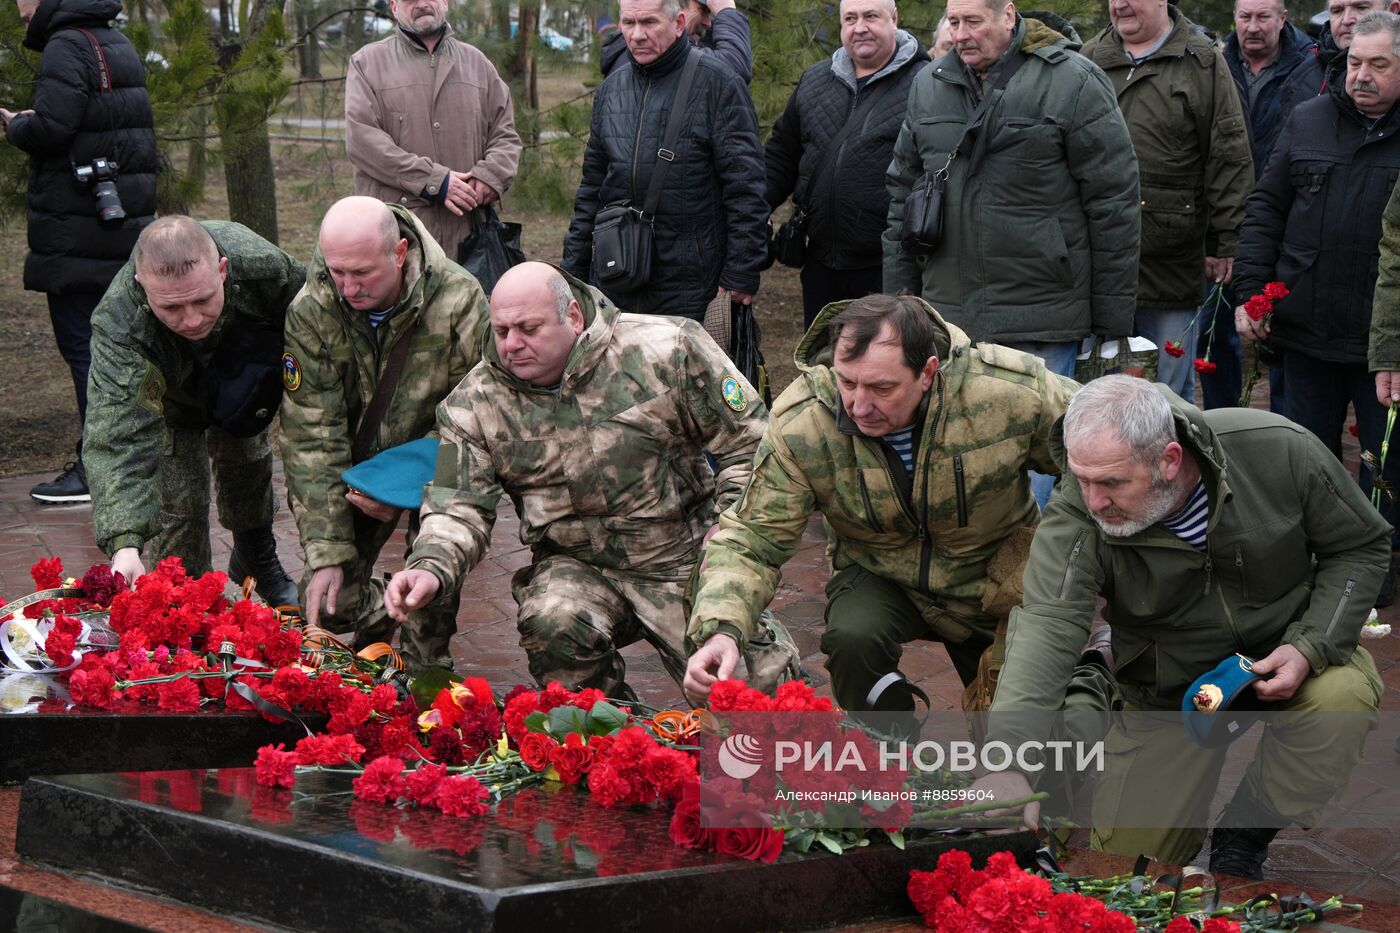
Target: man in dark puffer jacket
[(710, 224), (90, 103), (867, 80)]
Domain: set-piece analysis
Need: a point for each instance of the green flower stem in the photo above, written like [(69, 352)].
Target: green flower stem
[(193, 675), (987, 806)]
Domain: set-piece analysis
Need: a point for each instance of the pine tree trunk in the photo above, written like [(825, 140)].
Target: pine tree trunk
[(522, 61), (249, 180), (309, 51)]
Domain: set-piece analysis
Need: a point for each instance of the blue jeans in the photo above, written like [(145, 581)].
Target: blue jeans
[(1161, 325), (1220, 389), (1318, 393), (1059, 359)]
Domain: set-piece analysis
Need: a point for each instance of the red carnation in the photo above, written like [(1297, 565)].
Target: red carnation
[(92, 685), (462, 796), (382, 781), (47, 573), (100, 585), (1275, 291), (1205, 367), (1258, 308), (1174, 348), (422, 784), (291, 684), (275, 766), (572, 759), (535, 749), (328, 750), (179, 696)]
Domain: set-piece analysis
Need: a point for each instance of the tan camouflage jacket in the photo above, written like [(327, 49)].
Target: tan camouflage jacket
[(609, 469), (333, 364), (986, 422)]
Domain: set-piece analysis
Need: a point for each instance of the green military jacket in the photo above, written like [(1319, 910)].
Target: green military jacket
[(333, 365), (608, 468), (138, 385), (1383, 349), (1194, 164), (1041, 214), (987, 421), (1278, 501)]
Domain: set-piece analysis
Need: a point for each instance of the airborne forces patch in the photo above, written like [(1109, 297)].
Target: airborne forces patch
[(734, 394), (291, 372)]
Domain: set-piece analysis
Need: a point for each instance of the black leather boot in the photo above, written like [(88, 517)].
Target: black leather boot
[(1239, 844), (255, 555)]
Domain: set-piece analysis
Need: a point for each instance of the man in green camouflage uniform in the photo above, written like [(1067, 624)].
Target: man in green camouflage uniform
[(185, 370), (378, 278), (595, 424), (910, 539)]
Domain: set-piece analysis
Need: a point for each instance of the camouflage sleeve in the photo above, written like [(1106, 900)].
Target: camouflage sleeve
[(722, 410), (315, 441), (741, 567), (472, 324), (459, 505), (1055, 394), (124, 435)]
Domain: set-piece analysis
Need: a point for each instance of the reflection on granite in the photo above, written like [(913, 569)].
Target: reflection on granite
[(23, 912), (316, 858)]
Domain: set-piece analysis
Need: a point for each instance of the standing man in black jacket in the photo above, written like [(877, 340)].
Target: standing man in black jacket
[(1314, 223), (710, 224), (91, 114), (831, 146), (715, 27)]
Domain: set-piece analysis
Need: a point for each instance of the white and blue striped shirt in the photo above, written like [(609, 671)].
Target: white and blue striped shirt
[(1189, 522), (903, 443)]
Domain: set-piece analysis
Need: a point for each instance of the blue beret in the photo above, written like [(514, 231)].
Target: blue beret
[(396, 476), (1221, 705)]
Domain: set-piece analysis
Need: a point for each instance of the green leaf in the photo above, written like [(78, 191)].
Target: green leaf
[(604, 718), (566, 719), (802, 840), (537, 722), (426, 685), (830, 843), (896, 839)]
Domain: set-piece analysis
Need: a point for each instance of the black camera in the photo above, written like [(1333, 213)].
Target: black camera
[(101, 174)]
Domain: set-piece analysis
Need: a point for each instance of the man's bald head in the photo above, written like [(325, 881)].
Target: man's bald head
[(171, 246), (364, 253), (535, 320)]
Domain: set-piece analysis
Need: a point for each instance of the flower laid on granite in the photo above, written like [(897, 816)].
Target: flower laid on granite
[(1374, 627), (1260, 308)]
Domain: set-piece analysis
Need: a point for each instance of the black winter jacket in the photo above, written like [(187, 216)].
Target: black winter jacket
[(711, 224), (1297, 75), (1314, 223), (75, 121), (846, 207)]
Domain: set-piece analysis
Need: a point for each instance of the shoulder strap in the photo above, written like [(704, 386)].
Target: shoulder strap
[(383, 395), (974, 122), (104, 77), (667, 153), (854, 119)]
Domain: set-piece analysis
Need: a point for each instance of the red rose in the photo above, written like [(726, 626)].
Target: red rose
[(382, 781), (463, 796), (572, 759), (1274, 291), (687, 826), (1258, 308), (535, 748), (758, 844), (275, 766), (1174, 348)]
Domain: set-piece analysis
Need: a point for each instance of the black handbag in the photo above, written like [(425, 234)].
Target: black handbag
[(490, 249), (623, 236), (789, 244), (922, 232)]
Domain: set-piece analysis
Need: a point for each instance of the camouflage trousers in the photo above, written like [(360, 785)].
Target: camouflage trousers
[(574, 617), (423, 640), (242, 476)]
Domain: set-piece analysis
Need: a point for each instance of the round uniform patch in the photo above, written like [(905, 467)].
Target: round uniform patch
[(291, 372), (734, 394)]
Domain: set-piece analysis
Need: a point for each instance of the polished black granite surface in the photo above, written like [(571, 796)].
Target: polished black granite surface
[(41, 732), (318, 859), (23, 912)]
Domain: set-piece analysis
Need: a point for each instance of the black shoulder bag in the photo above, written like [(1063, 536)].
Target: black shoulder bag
[(789, 245), (923, 208), (622, 234)]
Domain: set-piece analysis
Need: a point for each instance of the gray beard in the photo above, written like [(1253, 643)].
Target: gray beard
[(1162, 500)]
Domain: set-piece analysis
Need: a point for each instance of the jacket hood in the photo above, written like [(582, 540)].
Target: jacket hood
[(422, 267), (53, 15), (599, 318), (813, 355), (1043, 32), (1193, 434), (906, 47), (1346, 107)]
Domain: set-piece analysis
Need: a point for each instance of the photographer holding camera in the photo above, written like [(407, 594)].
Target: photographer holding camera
[(92, 178)]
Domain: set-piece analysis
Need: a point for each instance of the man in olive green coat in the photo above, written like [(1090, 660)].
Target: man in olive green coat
[(377, 279), (185, 375), (1208, 534), (914, 444), (1193, 156)]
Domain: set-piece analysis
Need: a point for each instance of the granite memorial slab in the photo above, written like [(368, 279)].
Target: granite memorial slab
[(42, 732), (319, 859), (24, 912)]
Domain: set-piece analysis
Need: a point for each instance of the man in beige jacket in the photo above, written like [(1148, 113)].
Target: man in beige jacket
[(428, 123)]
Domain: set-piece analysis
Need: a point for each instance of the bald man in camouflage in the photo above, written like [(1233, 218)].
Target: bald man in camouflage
[(594, 422)]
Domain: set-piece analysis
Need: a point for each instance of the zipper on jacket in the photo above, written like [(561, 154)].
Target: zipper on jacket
[(869, 509), (1230, 621), (1210, 565), (1068, 580), (960, 483), (925, 543), (1239, 569), (637, 143), (1341, 607)]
